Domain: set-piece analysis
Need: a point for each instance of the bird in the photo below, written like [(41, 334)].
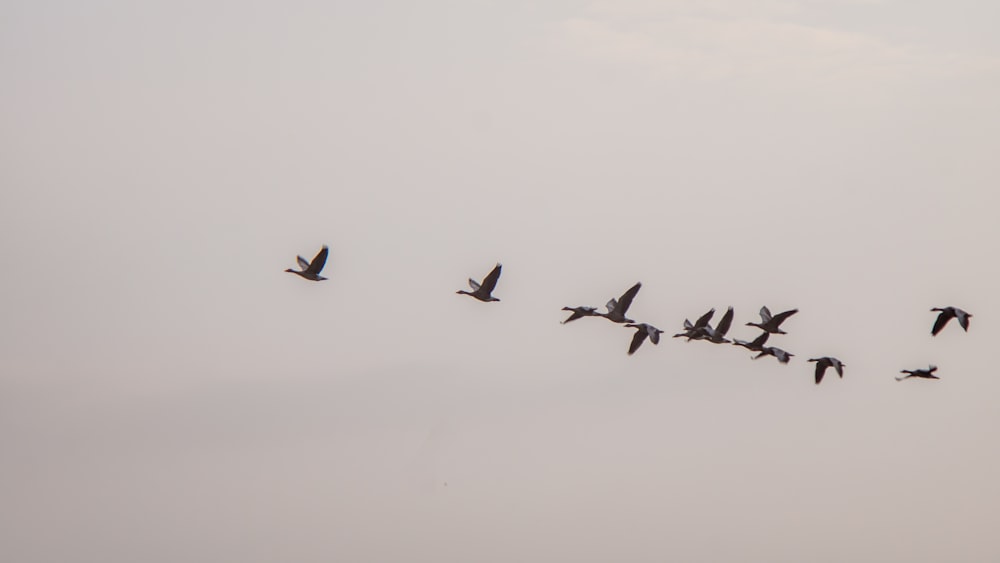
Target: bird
[(778, 353), (482, 292), (618, 308), (696, 331), (825, 362), (716, 335), (579, 313), (642, 331), (922, 373), (756, 345), (311, 270), (948, 313), (771, 324)]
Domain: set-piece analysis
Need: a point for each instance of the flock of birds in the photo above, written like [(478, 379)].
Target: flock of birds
[(699, 330)]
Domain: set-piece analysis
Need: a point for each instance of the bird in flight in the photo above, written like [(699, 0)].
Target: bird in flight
[(311, 270), (922, 373), (483, 291), (825, 362), (778, 353), (696, 331), (717, 335), (770, 323), (948, 313), (618, 307), (756, 345), (643, 331), (579, 313)]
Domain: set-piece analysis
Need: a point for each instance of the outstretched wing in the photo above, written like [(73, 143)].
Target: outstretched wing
[(316, 266), (760, 340), (942, 320), (703, 320), (765, 314), (473, 284), (963, 319), (303, 263), (820, 370), (654, 334), (625, 301), (490, 281), (640, 335), (839, 366), (780, 317), (611, 305), (725, 323)]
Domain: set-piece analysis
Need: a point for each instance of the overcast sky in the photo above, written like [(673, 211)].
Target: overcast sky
[(168, 393)]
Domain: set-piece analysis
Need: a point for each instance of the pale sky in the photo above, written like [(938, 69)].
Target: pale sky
[(168, 393)]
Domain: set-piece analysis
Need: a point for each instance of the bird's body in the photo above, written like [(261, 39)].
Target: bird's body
[(921, 373), (756, 345), (311, 270), (483, 292), (579, 313), (618, 307), (825, 362), (781, 355), (948, 313), (643, 330), (769, 323)]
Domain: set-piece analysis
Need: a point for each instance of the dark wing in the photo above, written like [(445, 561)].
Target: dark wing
[(963, 319), (942, 320), (765, 314), (654, 334), (839, 366), (703, 320), (760, 340), (625, 301), (316, 266), (640, 335), (303, 263), (820, 370), (724, 324), (490, 281), (780, 317)]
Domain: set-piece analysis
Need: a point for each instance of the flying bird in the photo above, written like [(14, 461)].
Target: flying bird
[(483, 292), (948, 313), (771, 324), (642, 331), (756, 345), (778, 353), (922, 373), (716, 335), (825, 362), (696, 331), (311, 270), (618, 308), (579, 313)]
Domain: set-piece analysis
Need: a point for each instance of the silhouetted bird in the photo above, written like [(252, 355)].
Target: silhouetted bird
[(642, 331), (717, 334), (696, 331), (311, 270), (579, 313), (922, 373), (825, 362), (778, 353), (756, 345), (948, 313), (482, 292), (618, 308), (771, 324)]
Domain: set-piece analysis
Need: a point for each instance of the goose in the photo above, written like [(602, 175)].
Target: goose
[(825, 362), (579, 313), (618, 308), (948, 313), (482, 292), (696, 331), (716, 335), (642, 331), (922, 373), (778, 353), (756, 345), (771, 324), (311, 270)]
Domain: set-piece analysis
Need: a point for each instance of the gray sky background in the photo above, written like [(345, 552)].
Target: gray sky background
[(169, 394)]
